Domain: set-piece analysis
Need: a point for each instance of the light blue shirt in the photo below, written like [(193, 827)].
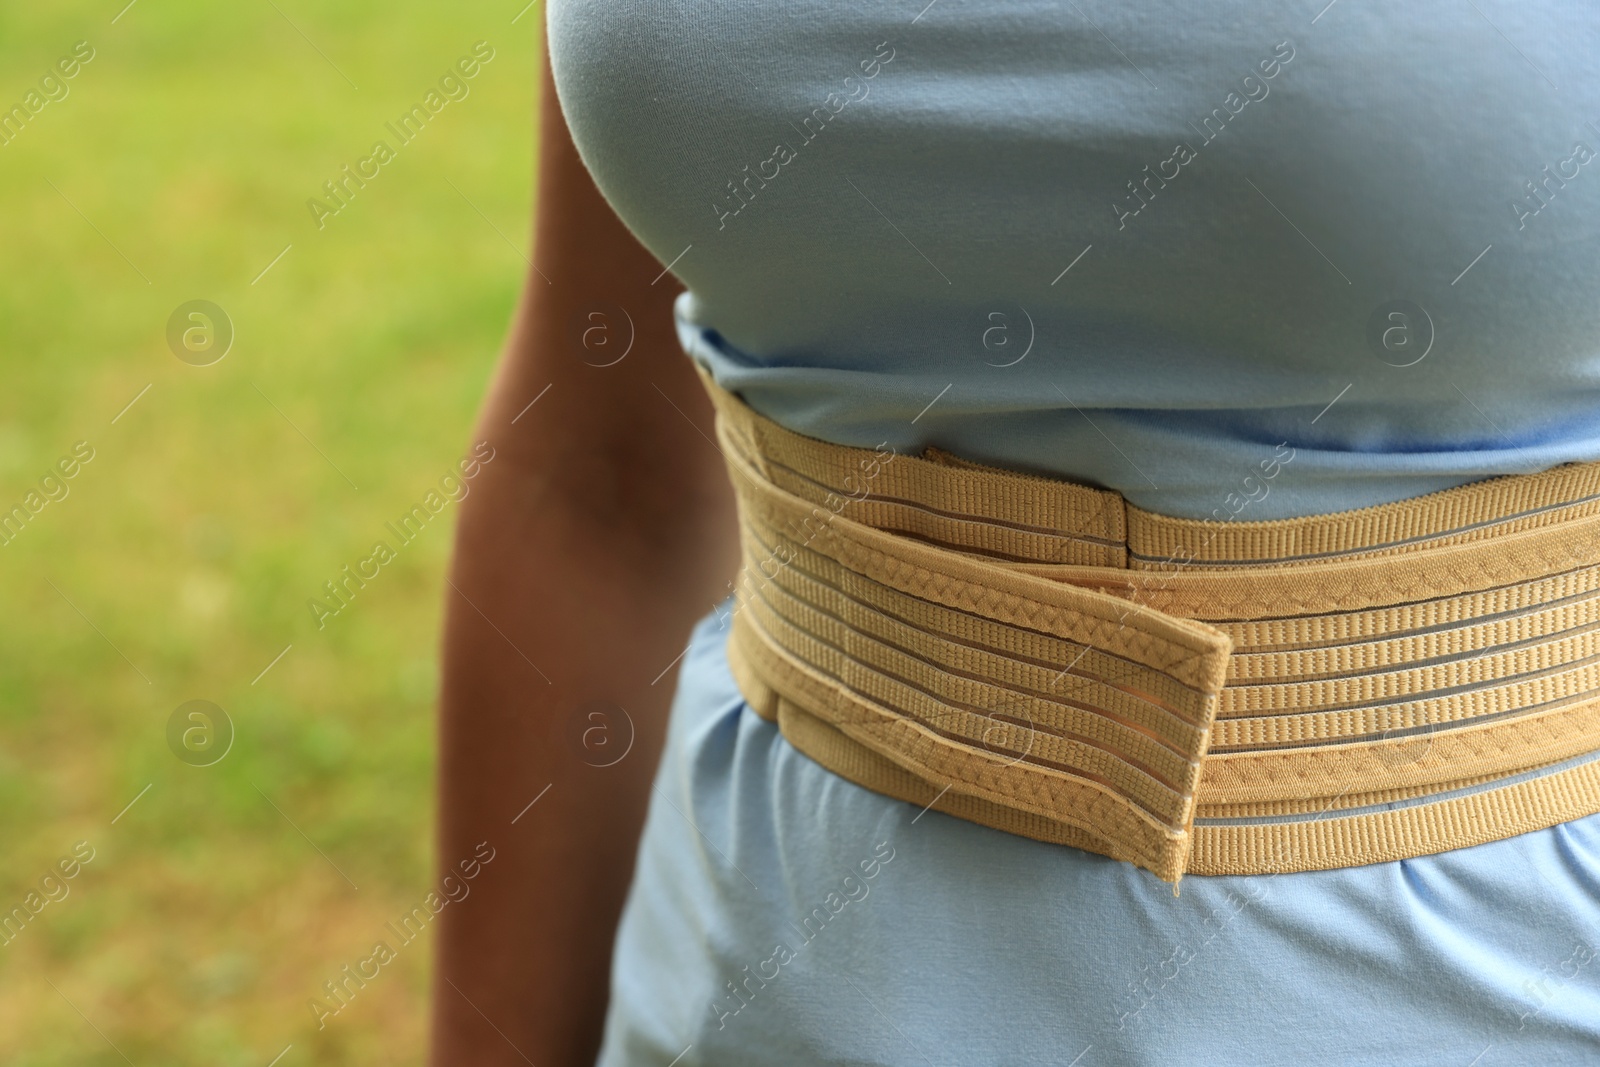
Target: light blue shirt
[(1045, 219), (1144, 246)]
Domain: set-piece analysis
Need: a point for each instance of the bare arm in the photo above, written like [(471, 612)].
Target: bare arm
[(599, 532)]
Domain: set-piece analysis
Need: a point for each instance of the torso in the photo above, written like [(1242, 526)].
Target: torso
[(868, 206)]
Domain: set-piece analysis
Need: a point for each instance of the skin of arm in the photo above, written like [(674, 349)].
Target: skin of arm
[(602, 528)]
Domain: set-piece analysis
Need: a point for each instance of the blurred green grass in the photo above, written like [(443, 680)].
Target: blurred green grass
[(181, 561)]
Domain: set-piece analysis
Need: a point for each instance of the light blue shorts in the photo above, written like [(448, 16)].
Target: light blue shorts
[(782, 915)]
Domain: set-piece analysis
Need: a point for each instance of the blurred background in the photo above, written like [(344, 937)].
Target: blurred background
[(245, 850)]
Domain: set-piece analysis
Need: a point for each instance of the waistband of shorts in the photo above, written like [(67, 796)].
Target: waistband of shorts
[(1207, 697)]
